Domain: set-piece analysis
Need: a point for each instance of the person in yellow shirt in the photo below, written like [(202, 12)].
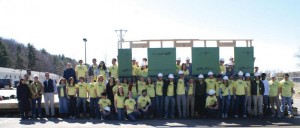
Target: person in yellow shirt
[(211, 104), (141, 85), (71, 91), (191, 98), (81, 89), (178, 65), (104, 106), (181, 97), (287, 91), (248, 96), (113, 70), (81, 70), (144, 102), (151, 93), (184, 69), (225, 97), (222, 70), (219, 85), (232, 100), (62, 96), (101, 70), (92, 97), (159, 95), (119, 103), (125, 86), (274, 91), (100, 87), (135, 68), (130, 104), (169, 93), (115, 88), (239, 92), (144, 71), (211, 82)]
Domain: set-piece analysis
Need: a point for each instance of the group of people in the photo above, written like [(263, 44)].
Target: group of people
[(218, 95)]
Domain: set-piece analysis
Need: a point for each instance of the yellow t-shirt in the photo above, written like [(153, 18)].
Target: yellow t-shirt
[(210, 100), (71, 90), (178, 67), (100, 87), (114, 71), (159, 88), (191, 89), (231, 84), (222, 69), (150, 90), (286, 87), (82, 88), (130, 103), (81, 70), (274, 87), (135, 70), (125, 89), (120, 101), (142, 101), (186, 72), (211, 84), (141, 87), (180, 87), (144, 73), (104, 103), (170, 91), (226, 90), (218, 86), (91, 89), (240, 87), (103, 73), (94, 68), (115, 89), (248, 87), (257, 87), (134, 91)]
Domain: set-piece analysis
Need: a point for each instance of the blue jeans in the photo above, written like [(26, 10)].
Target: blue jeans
[(93, 106), (98, 112), (289, 103), (79, 102), (63, 105), (171, 100), (159, 105), (225, 104), (240, 100), (181, 103), (120, 113), (132, 116), (33, 109)]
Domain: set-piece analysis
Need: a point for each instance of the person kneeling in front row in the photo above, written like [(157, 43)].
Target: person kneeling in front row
[(211, 104), (104, 105), (130, 104)]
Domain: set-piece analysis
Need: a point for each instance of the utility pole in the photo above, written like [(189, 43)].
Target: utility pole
[(121, 39)]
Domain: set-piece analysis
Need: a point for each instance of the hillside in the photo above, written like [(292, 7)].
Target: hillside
[(18, 56)]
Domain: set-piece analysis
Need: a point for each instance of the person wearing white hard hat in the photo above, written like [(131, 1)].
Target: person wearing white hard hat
[(159, 95), (211, 104), (257, 91), (240, 92), (184, 69), (191, 98), (178, 65), (248, 96), (274, 95), (219, 96), (225, 97), (36, 93), (200, 96), (222, 70), (103, 103), (266, 106), (230, 69), (189, 65), (181, 97), (210, 81), (170, 93), (287, 91)]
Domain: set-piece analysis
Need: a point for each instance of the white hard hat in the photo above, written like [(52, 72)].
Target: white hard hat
[(257, 74), (230, 57), (187, 58), (210, 73), (200, 76), (222, 59), (160, 75), (247, 74), (35, 75), (240, 73), (272, 74), (211, 92), (225, 78), (179, 58), (180, 72), (230, 63), (107, 109), (133, 58), (171, 76)]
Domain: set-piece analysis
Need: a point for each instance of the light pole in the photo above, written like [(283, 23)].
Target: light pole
[(85, 40)]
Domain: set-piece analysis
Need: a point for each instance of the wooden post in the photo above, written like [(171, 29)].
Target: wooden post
[(204, 43), (161, 44)]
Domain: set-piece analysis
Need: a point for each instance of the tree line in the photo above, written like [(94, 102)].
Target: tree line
[(19, 56)]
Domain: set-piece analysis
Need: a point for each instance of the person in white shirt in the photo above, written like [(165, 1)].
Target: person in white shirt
[(266, 108)]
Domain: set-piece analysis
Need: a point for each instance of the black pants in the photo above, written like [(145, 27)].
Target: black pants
[(24, 106), (72, 105), (200, 104)]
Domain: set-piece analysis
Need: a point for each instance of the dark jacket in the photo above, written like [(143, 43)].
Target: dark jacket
[(48, 86), (58, 91), (254, 87), (23, 92), (200, 88), (70, 72), (166, 84)]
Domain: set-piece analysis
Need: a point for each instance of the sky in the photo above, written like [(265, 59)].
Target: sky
[(60, 25)]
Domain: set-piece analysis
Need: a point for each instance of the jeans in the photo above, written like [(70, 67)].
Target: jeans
[(181, 103), (225, 104), (79, 102), (273, 100), (104, 114), (132, 116), (49, 98), (171, 100), (240, 100), (232, 105), (248, 103), (98, 112), (23, 106), (211, 113), (152, 107), (63, 105), (93, 106), (190, 105), (289, 103), (266, 104), (120, 113), (33, 109), (257, 101), (159, 105), (72, 105)]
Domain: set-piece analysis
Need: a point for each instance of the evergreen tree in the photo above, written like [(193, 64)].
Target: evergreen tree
[(31, 56), (3, 55)]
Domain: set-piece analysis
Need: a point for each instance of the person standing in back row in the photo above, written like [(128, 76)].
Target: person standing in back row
[(189, 65), (81, 70), (49, 90)]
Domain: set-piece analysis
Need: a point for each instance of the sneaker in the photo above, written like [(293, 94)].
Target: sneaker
[(236, 116), (244, 116), (291, 116)]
